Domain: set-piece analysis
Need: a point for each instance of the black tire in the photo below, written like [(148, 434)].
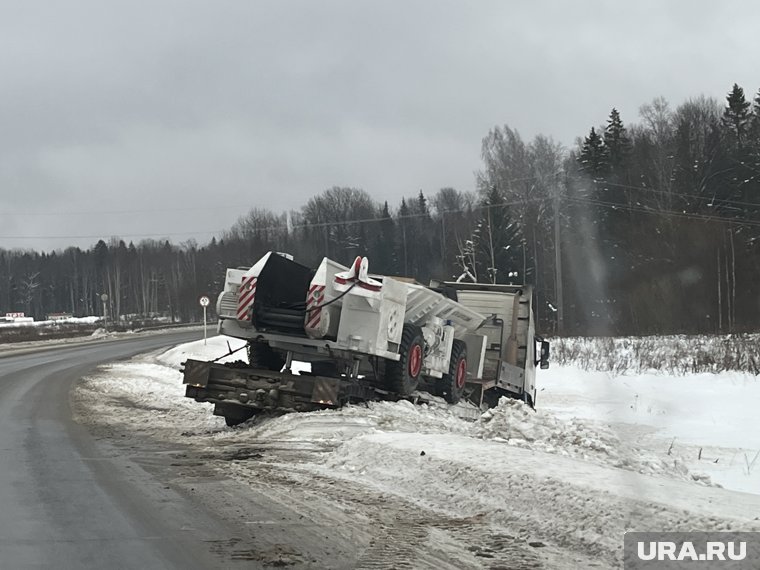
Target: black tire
[(233, 421), (329, 369), (403, 376), (491, 397), (261, 355), (451, 385), (233, 414)]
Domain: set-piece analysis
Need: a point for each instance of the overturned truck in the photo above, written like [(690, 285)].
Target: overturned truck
[(366, 337)]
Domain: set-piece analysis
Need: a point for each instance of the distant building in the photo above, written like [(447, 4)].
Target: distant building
[(59, 316), (16, 318)]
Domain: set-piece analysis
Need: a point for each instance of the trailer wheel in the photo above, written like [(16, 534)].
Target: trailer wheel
[(261, 355), (233, 421), (233, 415), (452, 384), (329, 369), (491, 397), (403, 375)]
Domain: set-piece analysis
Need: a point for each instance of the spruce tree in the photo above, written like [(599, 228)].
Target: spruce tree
[(384, 259), (593, 156), (403, 222), (736, 117), (419, 236), (616, 142), (752, 192), (501, 240), (754, 130), (422, 204)]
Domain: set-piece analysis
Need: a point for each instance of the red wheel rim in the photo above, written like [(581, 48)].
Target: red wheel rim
[(461, 373), (415, 361)]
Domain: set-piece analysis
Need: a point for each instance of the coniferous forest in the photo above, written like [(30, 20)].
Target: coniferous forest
[(649, 224)]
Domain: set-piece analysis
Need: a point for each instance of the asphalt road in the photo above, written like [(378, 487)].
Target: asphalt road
[(66, 501), (103, 495)]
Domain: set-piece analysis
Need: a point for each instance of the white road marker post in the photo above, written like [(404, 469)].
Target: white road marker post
[(204, 301), (104, 298)]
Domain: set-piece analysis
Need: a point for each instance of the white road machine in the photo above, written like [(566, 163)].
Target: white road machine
[(366, 337)]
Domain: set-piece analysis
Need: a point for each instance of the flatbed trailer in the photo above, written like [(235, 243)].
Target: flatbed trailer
[(239, 392)]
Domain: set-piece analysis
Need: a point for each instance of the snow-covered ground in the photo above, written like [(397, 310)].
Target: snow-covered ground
[(69, 321), (709, 421), (601, 455)]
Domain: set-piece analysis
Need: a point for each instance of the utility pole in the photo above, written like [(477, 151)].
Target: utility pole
[(403, 234), (490, 243), (443, 238), (558, 264)]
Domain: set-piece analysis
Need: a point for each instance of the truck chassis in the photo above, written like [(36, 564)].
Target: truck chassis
[(239, 392)]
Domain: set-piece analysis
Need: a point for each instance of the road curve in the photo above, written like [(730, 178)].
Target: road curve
[(65, 502)]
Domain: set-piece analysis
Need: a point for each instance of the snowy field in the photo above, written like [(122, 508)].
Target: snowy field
[(711, 422), (52, 323), (676, 355), (604, 452)]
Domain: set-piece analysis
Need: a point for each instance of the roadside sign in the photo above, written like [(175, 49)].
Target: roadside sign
[(204, 301), (104, 298)]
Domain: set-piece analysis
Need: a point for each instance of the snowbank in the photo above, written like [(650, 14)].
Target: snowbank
[(515, 423), (588, 465), (157, 384), (215, 347), (512, 423), (579, 505), (334, 427)]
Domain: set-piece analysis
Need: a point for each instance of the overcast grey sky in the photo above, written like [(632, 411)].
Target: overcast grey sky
[(172, 118)]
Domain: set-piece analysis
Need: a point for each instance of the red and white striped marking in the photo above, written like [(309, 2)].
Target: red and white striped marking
[(246, 296), (313, 306)]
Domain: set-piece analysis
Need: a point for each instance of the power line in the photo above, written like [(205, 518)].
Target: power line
[(175, 209), (114, 212), (120, 236), (472, 208), (728, 201), (645, 210), (285, 226)]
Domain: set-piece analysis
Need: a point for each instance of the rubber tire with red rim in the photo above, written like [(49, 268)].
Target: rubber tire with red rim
[(397, 374), (448, 386)]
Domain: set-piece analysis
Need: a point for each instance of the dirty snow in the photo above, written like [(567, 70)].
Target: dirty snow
[(158, 385), (515, 423), (648, 424), (597, 458)]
